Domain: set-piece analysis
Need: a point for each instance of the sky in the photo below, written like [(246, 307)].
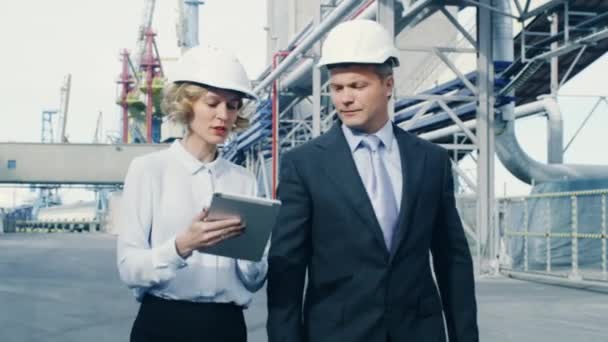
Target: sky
[(45, 40), (42, 41)]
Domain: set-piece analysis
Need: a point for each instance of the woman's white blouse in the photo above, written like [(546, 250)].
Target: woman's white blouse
[(163, 192)]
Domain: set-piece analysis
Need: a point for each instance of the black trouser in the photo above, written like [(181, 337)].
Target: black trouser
[(181, 321)]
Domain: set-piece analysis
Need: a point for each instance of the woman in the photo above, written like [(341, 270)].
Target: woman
[(187, 295)]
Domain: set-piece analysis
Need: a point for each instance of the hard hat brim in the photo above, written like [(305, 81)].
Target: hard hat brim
[(378, 60), (244, 93)]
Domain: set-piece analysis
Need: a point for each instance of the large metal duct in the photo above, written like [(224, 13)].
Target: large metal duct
[(508, 149)]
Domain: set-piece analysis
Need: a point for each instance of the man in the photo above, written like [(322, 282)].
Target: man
[(363, 205)]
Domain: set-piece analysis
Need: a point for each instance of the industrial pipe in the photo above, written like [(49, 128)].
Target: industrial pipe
[(301, 74), (335, 16), (508, 149), (275, 124)]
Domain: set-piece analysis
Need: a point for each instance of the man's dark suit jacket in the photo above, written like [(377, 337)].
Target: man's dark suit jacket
[(358, 291)]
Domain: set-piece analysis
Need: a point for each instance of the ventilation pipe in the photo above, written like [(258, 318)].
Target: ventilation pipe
[(508, 149)]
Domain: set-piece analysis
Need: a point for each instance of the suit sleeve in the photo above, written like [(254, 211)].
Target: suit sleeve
[(288, 257), (453, 266)]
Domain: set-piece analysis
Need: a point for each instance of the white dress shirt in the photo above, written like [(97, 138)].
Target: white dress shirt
[(389, 154), (163, 192)]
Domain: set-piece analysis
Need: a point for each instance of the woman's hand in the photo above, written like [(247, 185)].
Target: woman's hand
[(204, 233)]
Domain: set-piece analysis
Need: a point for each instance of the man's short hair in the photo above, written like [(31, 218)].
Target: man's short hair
[(383, 70)]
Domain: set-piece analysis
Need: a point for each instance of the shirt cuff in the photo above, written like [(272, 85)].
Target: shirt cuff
[(252, 274), (166, 256), (247, 268)]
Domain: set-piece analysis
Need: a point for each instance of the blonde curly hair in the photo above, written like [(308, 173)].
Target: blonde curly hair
[(178, 100)]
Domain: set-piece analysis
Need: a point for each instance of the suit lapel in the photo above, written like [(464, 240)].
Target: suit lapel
[(412, 169), (341, 170)]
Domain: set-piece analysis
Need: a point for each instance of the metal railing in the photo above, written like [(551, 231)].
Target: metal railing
[(559, 234), (54, 226)]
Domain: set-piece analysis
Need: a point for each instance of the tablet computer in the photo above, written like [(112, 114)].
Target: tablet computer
[(259, 216)]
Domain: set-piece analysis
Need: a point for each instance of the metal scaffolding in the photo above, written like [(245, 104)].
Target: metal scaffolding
[(461, 115)]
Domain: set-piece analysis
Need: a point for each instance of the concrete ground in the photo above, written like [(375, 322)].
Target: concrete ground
[(65, 287)]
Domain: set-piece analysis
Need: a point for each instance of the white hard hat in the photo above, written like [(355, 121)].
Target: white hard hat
[(215, 67), (358, 41)]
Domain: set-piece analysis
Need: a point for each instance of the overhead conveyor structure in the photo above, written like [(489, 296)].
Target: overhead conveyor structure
[(582, 29), (522, 79)]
